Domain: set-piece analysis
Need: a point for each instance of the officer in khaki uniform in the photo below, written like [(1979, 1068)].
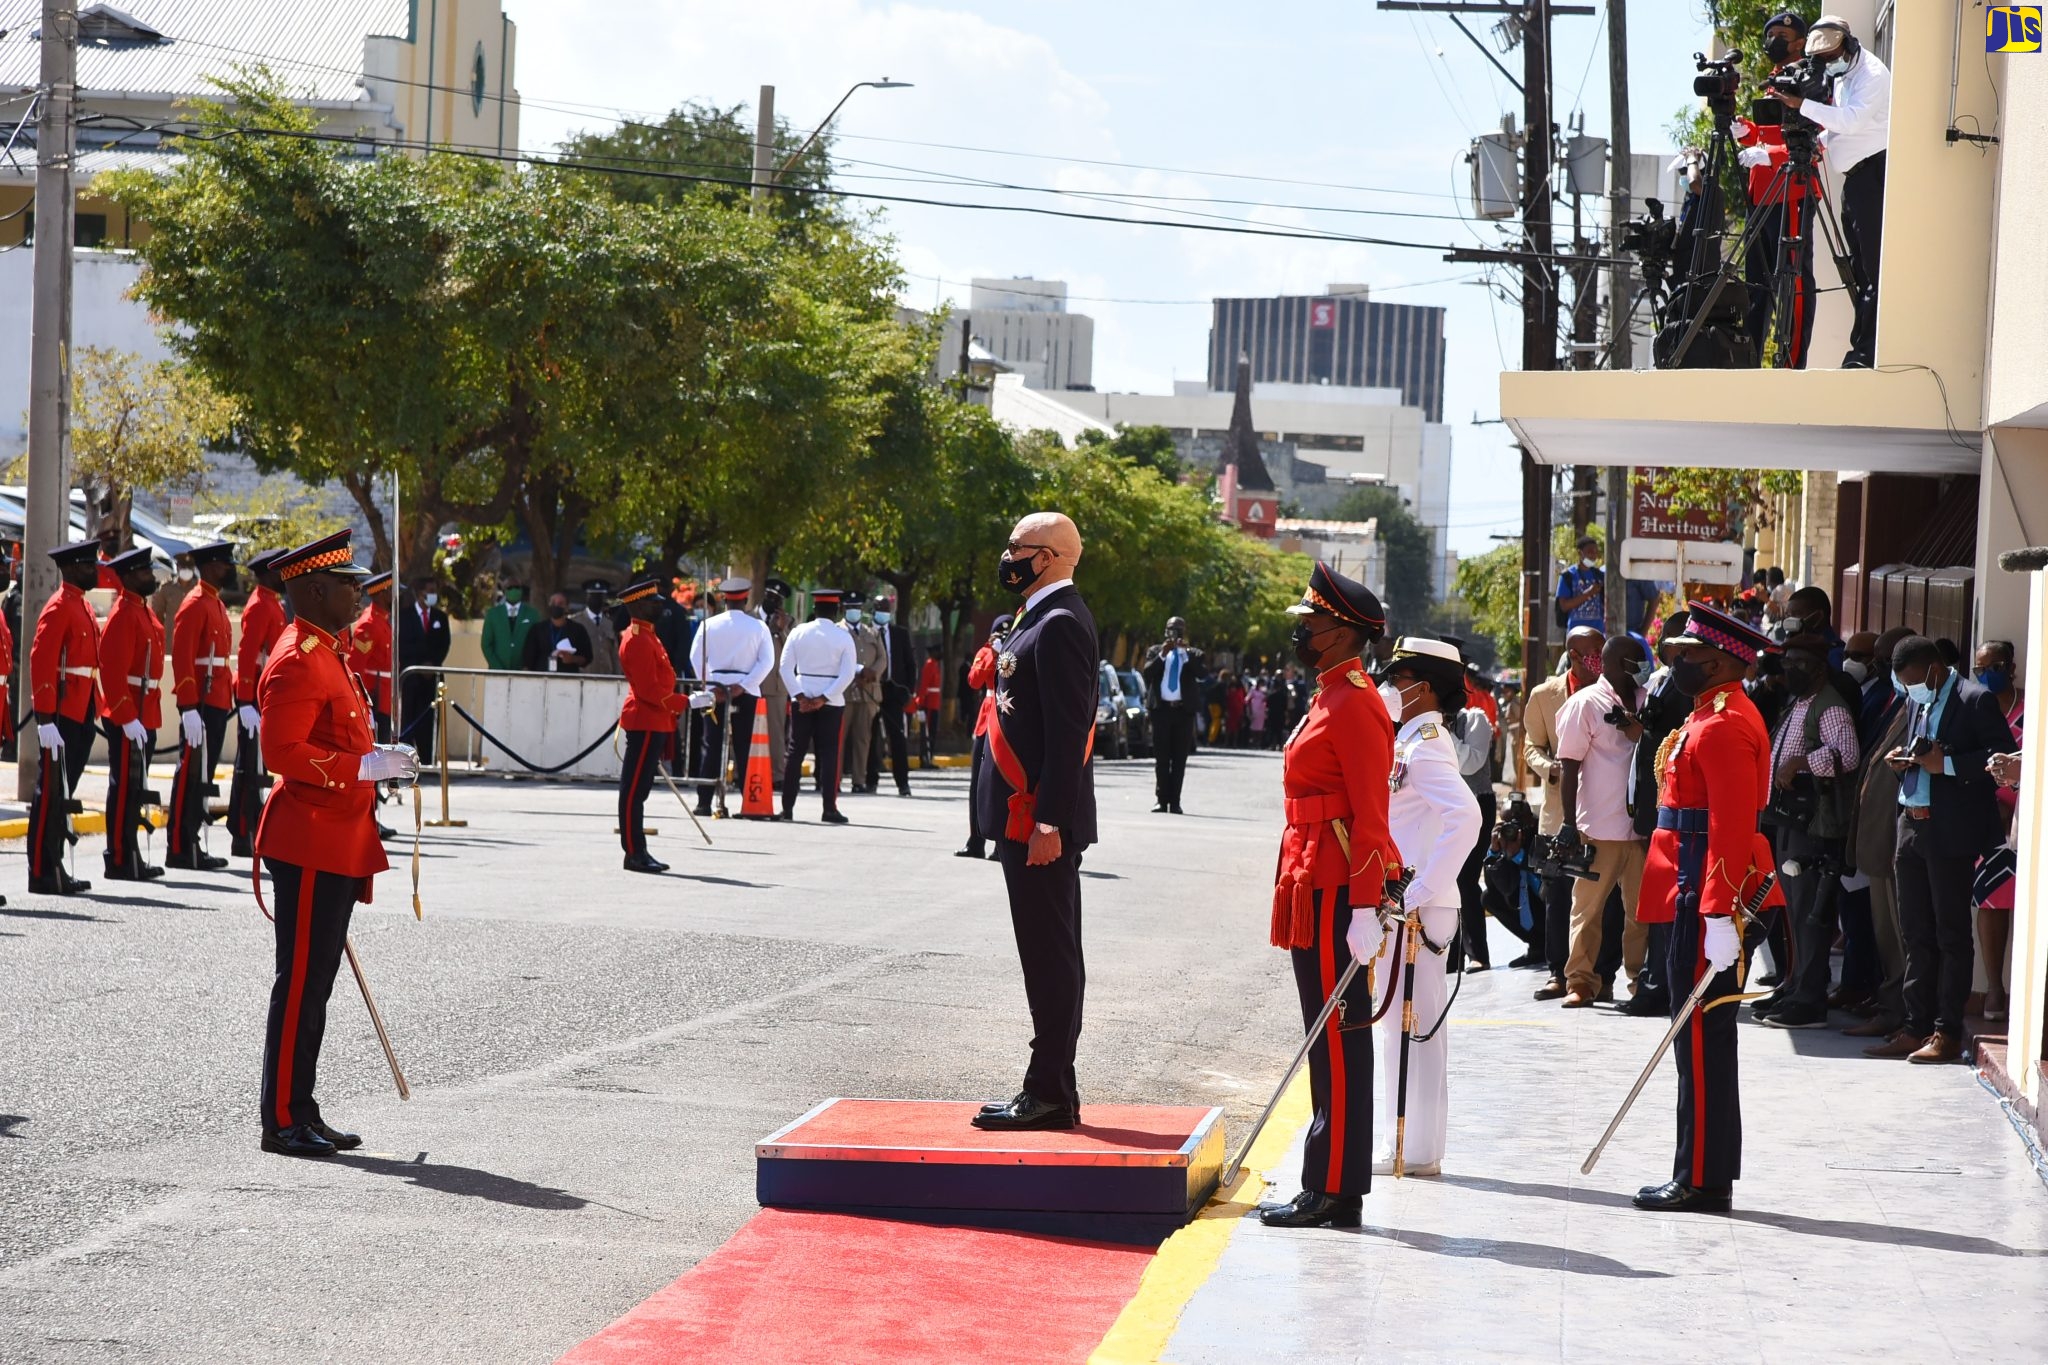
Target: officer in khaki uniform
[(775, 593), (864, 698)]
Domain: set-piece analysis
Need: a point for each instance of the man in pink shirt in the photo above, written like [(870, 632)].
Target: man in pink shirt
[(1597, 730)]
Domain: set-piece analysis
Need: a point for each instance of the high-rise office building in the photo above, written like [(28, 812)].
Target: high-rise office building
[(1341, 338)]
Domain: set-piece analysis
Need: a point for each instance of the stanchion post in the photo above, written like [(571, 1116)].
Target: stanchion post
[(441, 747)]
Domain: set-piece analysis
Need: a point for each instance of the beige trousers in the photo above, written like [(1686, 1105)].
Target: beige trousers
[(1615, 861)]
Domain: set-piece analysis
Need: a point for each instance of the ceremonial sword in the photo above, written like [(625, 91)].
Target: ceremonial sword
[(1395, 893), (1692, 1003)]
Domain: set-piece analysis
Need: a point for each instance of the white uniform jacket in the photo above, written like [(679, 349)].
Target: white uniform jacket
[(733, 649), (1433, 814), (817, 661)]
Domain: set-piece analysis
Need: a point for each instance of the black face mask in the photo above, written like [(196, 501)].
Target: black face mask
[(1017, 575), (1801, 678), (1689, 676), (558, 613), (1777, 47), (1303, 638)]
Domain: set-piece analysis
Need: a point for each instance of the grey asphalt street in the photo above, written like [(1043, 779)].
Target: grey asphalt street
[(592, 1056)]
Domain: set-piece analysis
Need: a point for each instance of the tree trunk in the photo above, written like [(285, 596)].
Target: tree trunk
[(362, 486)]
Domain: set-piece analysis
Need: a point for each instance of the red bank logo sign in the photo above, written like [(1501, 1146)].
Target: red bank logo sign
[(1322, 315)]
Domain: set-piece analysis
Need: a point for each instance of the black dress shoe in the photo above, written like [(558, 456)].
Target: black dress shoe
[(1795, 1015), (131, 870), (242, 848), (971, 851), (1312, 1209), (1175, 808), (385, 832), (343, 1142), (1678, 1197), (833, 817), (998, 1106), (196, 862), (1770, 979), (1027, 1111), (788, 815), (1161, 808), (1646, 1005), (1527, 960), (641, 862), (301, 1139)]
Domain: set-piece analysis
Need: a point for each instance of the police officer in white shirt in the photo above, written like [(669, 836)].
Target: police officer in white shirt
[(817, 664), (1434, 819), (1856, 124), (1171, 674), (733, 652)]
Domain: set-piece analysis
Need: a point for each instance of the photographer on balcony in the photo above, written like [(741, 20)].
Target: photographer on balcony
[(1814, 757), (1597, 732), (1780, 200), (1856, 123)]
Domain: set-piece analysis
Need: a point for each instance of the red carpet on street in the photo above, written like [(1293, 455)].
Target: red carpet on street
[(794, 1286)]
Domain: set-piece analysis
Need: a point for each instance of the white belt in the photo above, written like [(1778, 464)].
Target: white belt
[(146, 684), (78, 672), (214, 661), (376, 672)]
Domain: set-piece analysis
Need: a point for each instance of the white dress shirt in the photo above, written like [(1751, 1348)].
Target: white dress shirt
[(1040, 594), (733, 649), (1432, 814), (1857, 125), (1606, 759), (817, 661), (1171, 677)]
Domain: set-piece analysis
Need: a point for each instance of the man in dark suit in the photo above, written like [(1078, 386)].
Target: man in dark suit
[(1039, 791), (1172, 683), (1948, 818), (899, 679), (422, 639)]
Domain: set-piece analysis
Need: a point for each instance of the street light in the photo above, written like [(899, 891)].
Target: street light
[(883, 84)]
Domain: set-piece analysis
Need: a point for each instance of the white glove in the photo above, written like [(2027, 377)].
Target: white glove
[(50, 736), (195, 733), (252, 720), (1753, 156), (1741, 127), (136, 734), (1363, 937), (389, 763), (702, 701), (1722, 944)]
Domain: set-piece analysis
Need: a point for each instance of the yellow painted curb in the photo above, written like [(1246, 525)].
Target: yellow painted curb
[(1187, 1259), (85, 822)]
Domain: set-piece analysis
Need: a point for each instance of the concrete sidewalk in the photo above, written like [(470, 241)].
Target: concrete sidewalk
[(1887, 1211)]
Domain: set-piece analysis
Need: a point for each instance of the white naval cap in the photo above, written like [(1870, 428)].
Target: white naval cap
[(1415, 647), (737, 584)]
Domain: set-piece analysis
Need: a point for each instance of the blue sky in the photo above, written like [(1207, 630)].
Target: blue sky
[(1374, 110)]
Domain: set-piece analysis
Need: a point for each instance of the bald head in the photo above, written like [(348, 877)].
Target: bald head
[(1050, 541)]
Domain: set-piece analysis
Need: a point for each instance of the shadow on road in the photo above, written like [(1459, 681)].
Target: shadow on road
[(1533, 1255), (23, 912), (10, 1122), (466, 1181)]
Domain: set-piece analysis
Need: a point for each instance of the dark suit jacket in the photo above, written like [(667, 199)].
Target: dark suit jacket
[(1048, 718), (903, 672), (421, 643), (1966, 820), (540, 643)]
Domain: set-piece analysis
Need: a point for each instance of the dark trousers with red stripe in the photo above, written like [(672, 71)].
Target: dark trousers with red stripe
[(127, 777), (816, 733), (1709, 1099), (57, 775), (245, 793), (1045, 915), (644, 749), (312, 911), (1337, 1156), (194, 780)]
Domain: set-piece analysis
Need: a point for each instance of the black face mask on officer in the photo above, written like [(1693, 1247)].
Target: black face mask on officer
[(1777, 47), (1689, 676), (1303, 638), (1017, 575)]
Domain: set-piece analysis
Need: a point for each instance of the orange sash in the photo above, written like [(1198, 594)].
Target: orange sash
[(1023, 816)]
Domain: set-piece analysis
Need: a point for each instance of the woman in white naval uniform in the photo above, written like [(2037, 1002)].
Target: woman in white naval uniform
[(1435, 821)]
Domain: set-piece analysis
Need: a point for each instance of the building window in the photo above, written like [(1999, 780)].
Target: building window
[(476, 81), (87, 229)]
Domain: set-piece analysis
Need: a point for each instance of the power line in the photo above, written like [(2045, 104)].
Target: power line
[(1179, 303)]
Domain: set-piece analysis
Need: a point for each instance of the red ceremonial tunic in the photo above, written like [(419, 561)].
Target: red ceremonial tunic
[(369, 656), (1719, 762), (131, 660), (316, 728), (64, 656), (201, 645), (262, 623), (981, 676), (1335, 770), (652, 702), (6, 680)]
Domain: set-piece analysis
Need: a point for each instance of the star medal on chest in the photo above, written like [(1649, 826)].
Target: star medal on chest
[(1003, 702), (1006, 665)]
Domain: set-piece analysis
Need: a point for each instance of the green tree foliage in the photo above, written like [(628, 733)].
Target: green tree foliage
[(1744, 496), (1491, 586), (1149, 446), (1407, 591), (137, 425), (681, 158)]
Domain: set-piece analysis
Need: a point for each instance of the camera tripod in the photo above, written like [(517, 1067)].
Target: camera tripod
[(1798, 181), (1707, 275)]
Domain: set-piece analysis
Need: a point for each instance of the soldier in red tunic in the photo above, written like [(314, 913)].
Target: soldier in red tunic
[(1706, 859), (1335, 860), (201, 641), (648, 718), (262, 623), (369, 649), (131, 705), (63, 663), (318, 834)]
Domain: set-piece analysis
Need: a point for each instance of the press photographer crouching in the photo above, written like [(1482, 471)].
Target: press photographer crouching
[(1815, 753), (1512, 886), (1855, 118)]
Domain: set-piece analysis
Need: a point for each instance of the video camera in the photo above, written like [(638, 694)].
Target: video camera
[(1808, 79), (1565, 854), (1653, 240), (1719, 80)]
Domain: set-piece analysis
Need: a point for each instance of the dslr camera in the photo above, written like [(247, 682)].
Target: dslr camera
[(1513, 833), (1565, 854)]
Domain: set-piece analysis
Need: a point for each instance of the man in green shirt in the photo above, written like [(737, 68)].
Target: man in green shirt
[(506, 626)]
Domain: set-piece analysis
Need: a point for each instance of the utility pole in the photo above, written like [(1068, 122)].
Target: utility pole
[(48, 515), (1539, 331), (1620, 340), (764, 150)]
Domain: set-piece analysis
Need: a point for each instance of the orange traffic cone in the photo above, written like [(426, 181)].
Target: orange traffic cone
[(758, 803)]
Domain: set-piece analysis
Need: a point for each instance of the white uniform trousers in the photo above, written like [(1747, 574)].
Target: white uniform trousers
[(1429, 1096)]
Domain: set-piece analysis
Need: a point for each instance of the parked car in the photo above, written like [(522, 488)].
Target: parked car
[(1112, 715), (1137, 714)]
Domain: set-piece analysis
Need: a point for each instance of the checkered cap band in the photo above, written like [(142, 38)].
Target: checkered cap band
[(316, 563)]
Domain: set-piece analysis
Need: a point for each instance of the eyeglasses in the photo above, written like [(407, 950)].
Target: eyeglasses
[(1017, 545)]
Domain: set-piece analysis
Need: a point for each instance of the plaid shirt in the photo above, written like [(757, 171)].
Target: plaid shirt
[(1839, 752)]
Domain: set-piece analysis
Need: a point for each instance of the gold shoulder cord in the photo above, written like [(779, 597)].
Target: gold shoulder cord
[(1664, 760)]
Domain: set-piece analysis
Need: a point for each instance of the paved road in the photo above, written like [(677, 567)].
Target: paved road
[(592, 1055)]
